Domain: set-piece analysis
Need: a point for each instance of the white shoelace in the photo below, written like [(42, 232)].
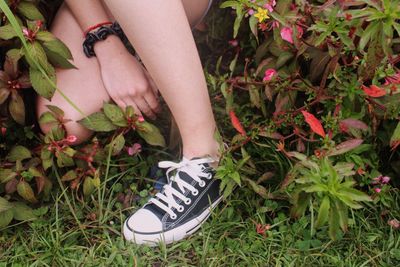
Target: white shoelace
[(194, 169)]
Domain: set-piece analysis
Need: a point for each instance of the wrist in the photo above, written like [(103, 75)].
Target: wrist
[(109, 48)]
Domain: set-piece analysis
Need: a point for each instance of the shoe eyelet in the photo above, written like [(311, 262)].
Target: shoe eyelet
[(195, 193), (202, 184), (188, 201), (180, 208), (173, 216), (209, 176)]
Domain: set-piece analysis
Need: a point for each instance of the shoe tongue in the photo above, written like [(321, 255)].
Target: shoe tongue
[(183, 176)]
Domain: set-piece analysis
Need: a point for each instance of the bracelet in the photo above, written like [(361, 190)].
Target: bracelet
[(102, 32), (96, 26)]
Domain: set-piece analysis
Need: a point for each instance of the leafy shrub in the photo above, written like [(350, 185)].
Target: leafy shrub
[(322, 78), (306, 99)]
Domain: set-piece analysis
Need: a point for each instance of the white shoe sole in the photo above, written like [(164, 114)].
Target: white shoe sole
[(172, 235)]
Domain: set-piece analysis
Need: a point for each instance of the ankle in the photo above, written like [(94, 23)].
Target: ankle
[(211, 151)]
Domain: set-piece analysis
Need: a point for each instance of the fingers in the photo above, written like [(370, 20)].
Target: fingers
[(152, 101), (145, 108), (153, 85)]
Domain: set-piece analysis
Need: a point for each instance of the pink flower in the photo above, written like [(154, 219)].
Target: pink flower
[(134, 149), (377, 189), (385, 179), (233, 42), (395, 79), (270, 5), (71, 139), (394, 223), (25, 31), (250, 12), (140, 119), (381, 179), (287, 34), (269, 74), (275, 24), (300, 32)]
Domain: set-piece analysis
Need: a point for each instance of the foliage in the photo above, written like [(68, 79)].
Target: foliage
[(305, 96), (322, 78)]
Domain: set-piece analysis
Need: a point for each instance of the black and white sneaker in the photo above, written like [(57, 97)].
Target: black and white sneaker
[(180, 208)]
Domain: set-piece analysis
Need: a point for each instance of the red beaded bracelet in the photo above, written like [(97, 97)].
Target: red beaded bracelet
[(96, 26)]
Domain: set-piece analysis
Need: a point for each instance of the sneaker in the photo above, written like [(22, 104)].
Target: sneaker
[(180, 208)]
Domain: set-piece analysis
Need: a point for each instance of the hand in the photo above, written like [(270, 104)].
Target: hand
[(125, 79)]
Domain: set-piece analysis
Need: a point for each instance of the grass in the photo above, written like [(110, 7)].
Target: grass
[(228, 238)]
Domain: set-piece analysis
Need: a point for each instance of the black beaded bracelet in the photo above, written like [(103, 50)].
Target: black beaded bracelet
[(101, 34)]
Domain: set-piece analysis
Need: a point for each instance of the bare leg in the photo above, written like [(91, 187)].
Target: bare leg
[(160, 32), (82, 85)]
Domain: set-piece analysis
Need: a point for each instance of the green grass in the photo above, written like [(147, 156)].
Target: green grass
[(229, 238)]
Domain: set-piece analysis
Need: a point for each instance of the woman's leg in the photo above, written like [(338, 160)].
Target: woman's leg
[(160, 32), (82, 85)]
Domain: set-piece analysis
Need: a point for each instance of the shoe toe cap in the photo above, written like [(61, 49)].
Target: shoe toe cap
[(144, 221)]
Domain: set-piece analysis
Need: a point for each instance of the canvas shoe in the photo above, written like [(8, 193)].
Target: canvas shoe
[(180, 208)]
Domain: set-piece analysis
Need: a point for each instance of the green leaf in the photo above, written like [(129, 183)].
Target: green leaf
[(316, 188), (4, 205), (151, 134), (301, 201), (69, 176), (354, 194), (323, 212), (5, 218), (64, 160), (17, 108), (370, 32), (4, 94), (19, 153), (37, 54), (116, 144), (89, 185), (29, 11), (35, 172), (58, 61), (47, 163), (6, 175), (395, 139), (348, 201), (238, 20), (115, 114), (56, 110), (26, 192), (283, 58), (12, 58), (230, 4), (7, 32), (98, 122), (39, 82), (59, 48), (258, 189), (22, 212), (255, 98), (345, 147), (253, 23), (45, 36), (333, 224), (47, 117), (343, 215)]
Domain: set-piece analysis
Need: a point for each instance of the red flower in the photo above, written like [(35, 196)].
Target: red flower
[(373, 91), (314, 123), (236, 123), (262, 228)]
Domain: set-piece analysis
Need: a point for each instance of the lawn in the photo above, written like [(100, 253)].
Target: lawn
[(70, 235)]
